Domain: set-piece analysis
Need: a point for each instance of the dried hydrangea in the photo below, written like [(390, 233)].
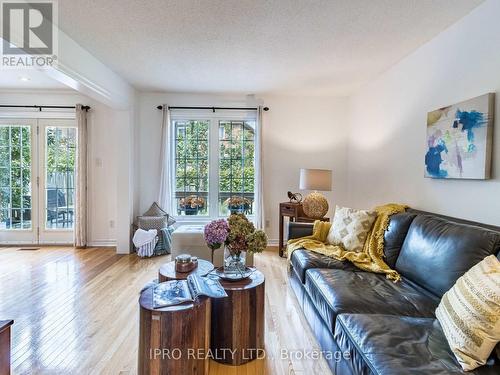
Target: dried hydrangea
[(257, 241)]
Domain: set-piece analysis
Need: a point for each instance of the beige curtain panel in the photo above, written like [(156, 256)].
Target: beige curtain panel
[(259, 173), (166, 173), (81, 179)]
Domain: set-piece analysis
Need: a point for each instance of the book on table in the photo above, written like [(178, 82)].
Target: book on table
[(175, 292)]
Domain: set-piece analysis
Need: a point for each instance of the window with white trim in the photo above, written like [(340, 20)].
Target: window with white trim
[(214, 163)]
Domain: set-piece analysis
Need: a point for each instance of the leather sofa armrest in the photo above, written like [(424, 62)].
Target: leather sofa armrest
[(297, 230)]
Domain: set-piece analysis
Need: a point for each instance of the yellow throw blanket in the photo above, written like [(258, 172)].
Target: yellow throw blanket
[(370, 259)]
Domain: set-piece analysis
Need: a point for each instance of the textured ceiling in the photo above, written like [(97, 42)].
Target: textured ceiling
[(255, 46), (33, 79)]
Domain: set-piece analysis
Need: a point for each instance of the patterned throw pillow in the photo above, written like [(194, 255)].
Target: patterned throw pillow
[(469, 314), (155, 210), (350, 228)]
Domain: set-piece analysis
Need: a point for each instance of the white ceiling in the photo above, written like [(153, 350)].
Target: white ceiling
[(11, 79), (255, 46)]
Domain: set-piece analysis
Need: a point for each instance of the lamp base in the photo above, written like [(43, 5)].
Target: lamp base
[(315, 205)]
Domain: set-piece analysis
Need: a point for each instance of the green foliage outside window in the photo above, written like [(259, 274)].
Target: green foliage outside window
[(15, 170), (236, 161)]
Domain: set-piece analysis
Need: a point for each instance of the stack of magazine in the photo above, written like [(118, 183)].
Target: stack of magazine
[(175, 292)]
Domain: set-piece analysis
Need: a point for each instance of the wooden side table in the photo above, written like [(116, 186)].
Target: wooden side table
[(296, 213), (167, 271), (5, 346), (238, 321), (175, 339)]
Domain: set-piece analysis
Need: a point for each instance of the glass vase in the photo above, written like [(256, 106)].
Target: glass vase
[(234, 263)]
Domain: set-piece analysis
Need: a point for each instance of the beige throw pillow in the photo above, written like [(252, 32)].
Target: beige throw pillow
[(469, 314), (350, 228)]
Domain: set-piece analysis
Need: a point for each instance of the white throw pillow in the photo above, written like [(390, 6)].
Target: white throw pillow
[(350, 228), (469, 314)]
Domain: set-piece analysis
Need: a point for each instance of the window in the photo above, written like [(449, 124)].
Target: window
[(236, 166), (191, 167), (15, 177), (214, 168)]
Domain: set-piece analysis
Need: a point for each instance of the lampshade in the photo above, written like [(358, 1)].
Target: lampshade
[(315, 179)]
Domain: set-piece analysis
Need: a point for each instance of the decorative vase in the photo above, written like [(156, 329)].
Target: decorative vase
[(191, 210), (234, 262), (237, 209)]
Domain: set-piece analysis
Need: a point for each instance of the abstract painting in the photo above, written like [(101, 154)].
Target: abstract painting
[(459, 140)]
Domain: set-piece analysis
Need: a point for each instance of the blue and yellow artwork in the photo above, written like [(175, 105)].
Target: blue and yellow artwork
[(459, 140)]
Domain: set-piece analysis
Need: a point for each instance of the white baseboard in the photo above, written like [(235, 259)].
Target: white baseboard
[(96, 243), (102, 243), (273, 242)]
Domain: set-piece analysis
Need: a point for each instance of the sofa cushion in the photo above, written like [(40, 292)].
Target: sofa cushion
[(386, 344), (302, 260), (336, 291), (395, 235), (436, 251)]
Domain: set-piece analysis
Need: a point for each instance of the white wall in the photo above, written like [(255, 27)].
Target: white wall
[(104, 123), (303, 132), (388, 121), (299, 132)]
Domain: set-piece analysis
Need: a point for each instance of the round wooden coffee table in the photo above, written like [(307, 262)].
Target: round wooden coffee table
[(238, 321), (175, 339), (167, 271)]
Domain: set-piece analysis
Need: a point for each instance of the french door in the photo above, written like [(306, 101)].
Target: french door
[(37, 181)]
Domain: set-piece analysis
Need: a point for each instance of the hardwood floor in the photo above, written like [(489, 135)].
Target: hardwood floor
[(76, 312)]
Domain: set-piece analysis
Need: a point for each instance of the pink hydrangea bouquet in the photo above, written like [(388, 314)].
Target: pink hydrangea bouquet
[(216, 233)]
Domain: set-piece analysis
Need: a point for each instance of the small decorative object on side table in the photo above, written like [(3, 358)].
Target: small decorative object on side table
[(238, 321), (167, 271), (296, 213), (185, 263)]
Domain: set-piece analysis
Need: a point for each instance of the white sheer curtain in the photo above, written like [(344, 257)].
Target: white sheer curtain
[(259, 173), (165, 195), (81, 179)]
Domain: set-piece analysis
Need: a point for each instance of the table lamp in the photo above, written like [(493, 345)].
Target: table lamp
[(315, 204)]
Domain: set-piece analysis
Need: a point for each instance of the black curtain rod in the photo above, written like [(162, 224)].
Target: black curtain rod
[(216, 108), (40, 107)]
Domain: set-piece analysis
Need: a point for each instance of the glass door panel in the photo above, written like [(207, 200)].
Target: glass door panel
[(60, 152), (58, 180), (17, 196)]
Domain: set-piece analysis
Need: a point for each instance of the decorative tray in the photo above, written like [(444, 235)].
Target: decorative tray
[(234, 276)]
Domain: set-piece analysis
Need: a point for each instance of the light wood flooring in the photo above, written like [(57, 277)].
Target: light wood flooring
[(76, 312)]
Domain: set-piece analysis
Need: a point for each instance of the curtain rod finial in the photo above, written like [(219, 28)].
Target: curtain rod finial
[(160, 107), (266, 109)]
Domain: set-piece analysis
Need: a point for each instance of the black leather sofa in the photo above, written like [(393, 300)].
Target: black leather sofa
[(388, 328)]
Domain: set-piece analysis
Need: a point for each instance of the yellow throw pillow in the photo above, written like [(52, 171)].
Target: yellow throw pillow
[(350, 228), (469, 314)]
